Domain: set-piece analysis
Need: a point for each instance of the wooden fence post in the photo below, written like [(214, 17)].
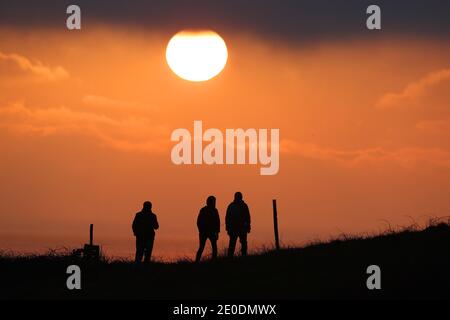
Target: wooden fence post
[(91, 234), (275, 224)]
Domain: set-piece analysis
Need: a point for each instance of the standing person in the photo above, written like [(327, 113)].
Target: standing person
[(144, 225), (208, 223), (237, 222)]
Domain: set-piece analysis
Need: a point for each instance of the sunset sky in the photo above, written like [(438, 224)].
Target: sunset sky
[(86, 118)]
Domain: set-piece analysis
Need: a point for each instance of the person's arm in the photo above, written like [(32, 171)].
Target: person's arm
[(200, 221), (247, 216), (134, 225), (227, 219), (217, 226), (156, 224)]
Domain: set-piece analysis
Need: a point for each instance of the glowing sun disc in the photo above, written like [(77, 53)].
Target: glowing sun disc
[(196, 55)]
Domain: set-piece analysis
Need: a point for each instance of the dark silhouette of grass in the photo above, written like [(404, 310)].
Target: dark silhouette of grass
[(414, 263)]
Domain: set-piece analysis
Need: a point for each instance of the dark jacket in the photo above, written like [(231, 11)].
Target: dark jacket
[(237, 219), (208, 221), (145, 224)]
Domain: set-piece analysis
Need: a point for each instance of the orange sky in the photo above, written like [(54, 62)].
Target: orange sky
[(86, 118)]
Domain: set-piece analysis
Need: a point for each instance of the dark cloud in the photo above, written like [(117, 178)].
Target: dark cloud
[(291, 20)]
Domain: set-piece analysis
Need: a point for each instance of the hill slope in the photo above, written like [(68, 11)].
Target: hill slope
[(414, 264)]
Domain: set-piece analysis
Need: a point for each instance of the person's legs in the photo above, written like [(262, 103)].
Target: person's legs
[(148, 250), (139, 251), (213, 240), (150, 247), (232, 245), (201, 247), (243, 240)]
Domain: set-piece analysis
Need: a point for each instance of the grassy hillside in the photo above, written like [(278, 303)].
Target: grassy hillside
[(414, 264)]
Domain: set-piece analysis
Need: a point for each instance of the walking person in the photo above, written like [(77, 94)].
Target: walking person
[(208, 223), (238, 224), (144, 225)]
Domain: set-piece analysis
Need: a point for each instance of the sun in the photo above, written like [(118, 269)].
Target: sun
[(196, 55)]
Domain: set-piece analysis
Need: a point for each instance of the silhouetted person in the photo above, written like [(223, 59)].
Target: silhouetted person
[(208, 223), (237, 223), (144, 225)]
